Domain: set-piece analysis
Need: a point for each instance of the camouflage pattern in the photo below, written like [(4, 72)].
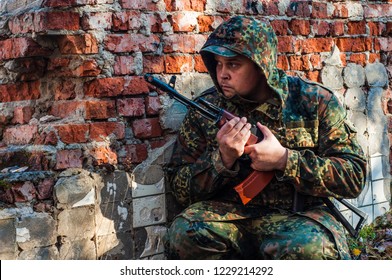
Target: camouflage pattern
[(324, 159)]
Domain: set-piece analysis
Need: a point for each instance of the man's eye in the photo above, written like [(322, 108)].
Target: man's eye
[(233, 65)]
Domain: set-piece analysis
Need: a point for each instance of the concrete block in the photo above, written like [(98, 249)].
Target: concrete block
[(331, 76), (113, 217), (150, 210), (42, 253), (139, 190), (172, 114), (378, 144), (376, 75), (355, 99), (354, 75), (380, 209), (115, 246), (116, 187), (76, 190), (37, 230), (82, 249), (149, 241), (366, 196), (77, 223), (8, 248), (380, 191), (376, 167)]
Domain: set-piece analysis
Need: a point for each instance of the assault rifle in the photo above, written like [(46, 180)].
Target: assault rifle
[(257, 180)]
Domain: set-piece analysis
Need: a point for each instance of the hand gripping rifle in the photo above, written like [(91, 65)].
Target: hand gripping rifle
[(257, 180)]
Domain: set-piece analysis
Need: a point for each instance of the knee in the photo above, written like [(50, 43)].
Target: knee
[(177, 241)]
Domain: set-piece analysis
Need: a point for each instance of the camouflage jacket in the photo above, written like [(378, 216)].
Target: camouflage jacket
[(324, 157)]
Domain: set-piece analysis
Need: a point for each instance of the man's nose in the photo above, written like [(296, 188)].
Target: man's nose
[(224, 75)]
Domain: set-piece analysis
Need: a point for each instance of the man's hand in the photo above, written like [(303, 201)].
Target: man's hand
[(268, 154), (232, 138)]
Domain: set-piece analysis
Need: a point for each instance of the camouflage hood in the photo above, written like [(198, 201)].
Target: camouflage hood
[(252, 38)]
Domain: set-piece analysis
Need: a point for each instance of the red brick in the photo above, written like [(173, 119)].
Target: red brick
[(105, 87), (73, 133), (158, 22), (44, 21), (313, 45), (321, 28), (199, 64), (375, 28), (46, 138), (319, 10), (374, 57), (138, 5), (21, 24), (354, 44), (314, 76), (183, 21), (299, 63), (22, 115), (103, 155), (384, 44), (131, 43), (358, 58), (126, 20), (153, 105), (185, 5), (300, 27), (388, 29), (153, 64), (299, 9), (340, 11), (205, 23), (28, 69), (283, 62), (176, 64), (135, 85), (131, 107), (100, 109), (67, 3), (315, 61), (356, 27), (67, 108), (337, 28), (20, 135), (99, 131), (136, 153), (23, 192), (85, 68), (124, 65), (20, 91), (280, 27), (78, 44), (38, 161), (285, 44), (147, 128), (97, 21), (64, 90), (45, 189), (271, 7), (69, 159), (377, 10), (21, 47), (183, 43)]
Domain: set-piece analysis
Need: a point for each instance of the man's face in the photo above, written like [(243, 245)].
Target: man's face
[(240, 76)]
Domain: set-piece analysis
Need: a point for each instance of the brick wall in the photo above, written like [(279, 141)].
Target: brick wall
[(72, 93)]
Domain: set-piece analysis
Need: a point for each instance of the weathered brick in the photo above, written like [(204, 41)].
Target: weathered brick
[(298, 62), (85, 68), (315, 61), (64, 90), (125, 65), (27, 69), (45, 188), (358, 58), (147, 128), (103, 155), (337, 28), (354, 44), (78, 44), (314, 76), (104, 87), (21, 47), (153, 105), (205, 23), (22, 115), (67, 3), (20, 135), (378, 11), (314, 45), (135, 85), (23, 192), (356, 27), (340, 10), (21, 24), (99, 131), (178, 64), (102, 109), (44, 21), (185, 5), (299, 9), (184, 43), (321, 28), (97, 21), (67, 108), (136, 153), (131, 107), (46, 138), (138, 5), (69, 159), (126, 20), (374, 57), (285, 44), (283, 62), (153, 64), (319, 10), (300, 27), (280, 27), (184, 21), (199, 64), (73, 133), (131, 43)]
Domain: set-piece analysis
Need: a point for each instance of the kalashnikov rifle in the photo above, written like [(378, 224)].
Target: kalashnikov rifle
[(257, 180)]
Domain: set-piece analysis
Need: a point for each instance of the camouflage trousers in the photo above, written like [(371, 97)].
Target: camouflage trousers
[(204, 231)]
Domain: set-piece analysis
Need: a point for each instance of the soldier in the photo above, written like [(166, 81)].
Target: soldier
[(308, 144)]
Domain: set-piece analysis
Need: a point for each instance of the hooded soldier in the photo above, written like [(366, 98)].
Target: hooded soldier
[(307, 144)]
